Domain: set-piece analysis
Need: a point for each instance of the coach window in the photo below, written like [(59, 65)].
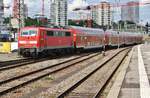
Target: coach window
[(50, 33), (68, 34), (61, 34), (55, 33)]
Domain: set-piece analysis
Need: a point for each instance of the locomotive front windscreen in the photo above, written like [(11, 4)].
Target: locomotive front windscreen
[(29, 33)]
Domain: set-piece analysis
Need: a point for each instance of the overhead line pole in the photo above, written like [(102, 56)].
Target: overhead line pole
[(22, 14), (21, 18)]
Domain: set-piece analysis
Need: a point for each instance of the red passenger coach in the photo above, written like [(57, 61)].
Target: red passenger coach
[(87, 38)]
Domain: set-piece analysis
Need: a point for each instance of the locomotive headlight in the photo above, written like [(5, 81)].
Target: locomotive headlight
[(22, 42), (27, 42), (33, 42)]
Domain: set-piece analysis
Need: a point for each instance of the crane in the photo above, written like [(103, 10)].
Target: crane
[(43, 7), (113, 6)]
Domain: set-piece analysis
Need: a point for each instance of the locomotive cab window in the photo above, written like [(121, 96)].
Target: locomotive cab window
[(32, 33), (29, 33), (67, 34), (24, 33)]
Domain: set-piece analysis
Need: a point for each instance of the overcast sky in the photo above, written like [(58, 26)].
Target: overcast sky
[(34, 7)]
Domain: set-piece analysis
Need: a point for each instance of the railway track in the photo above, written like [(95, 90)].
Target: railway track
[(11, 62), (83, 76), (40, 73), (6, 65)]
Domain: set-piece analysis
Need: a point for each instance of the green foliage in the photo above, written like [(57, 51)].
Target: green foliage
[(95, 25), (81, 23), (127, 22), (32, 22), (6, 20)]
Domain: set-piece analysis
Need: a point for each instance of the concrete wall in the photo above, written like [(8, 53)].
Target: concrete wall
[(14, 46), (8, 47)]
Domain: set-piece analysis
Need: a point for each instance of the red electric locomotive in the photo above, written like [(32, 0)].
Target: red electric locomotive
[(36, 40)]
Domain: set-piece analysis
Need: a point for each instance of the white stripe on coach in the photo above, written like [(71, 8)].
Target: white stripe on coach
[(144, 82)]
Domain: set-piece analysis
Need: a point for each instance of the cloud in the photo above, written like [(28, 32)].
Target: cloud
[(77, 4), (144, 1), (7, 12), (34, 7)]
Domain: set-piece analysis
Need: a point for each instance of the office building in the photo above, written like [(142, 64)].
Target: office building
[(102, 14), (59, 12), (130, 12)]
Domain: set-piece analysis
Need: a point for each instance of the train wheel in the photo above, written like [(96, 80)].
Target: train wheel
[(35, 55), (26, 54)]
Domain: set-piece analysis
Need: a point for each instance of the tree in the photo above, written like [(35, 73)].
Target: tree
[(81, 23), (35, 22), (95, 25), (6, 20)]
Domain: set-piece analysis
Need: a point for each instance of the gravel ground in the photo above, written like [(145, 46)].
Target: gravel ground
[(10, 56), (31, 67), (109, 87), (17, 71), (95, 81), (51, 80), (34, 75), (71, 80), (54, 82)]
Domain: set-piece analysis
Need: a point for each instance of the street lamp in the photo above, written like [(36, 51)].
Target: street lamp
[(104, 40), (118, 40), (147, 26)]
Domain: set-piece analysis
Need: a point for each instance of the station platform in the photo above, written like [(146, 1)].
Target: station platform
[(134, 79)]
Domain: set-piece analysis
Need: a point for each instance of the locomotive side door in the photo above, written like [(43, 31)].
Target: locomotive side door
[(43, 39)]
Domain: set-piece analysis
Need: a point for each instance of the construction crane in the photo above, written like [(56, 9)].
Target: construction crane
[(82, 15), (16, 9), (116, 5), (43, 7), (5, 6), (18, 12), (113, 5)]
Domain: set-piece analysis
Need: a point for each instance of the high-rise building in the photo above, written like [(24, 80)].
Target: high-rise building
[(59, 12), (1, 13), (130, 12), (16, 9), (19, 12), (102, 14)]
